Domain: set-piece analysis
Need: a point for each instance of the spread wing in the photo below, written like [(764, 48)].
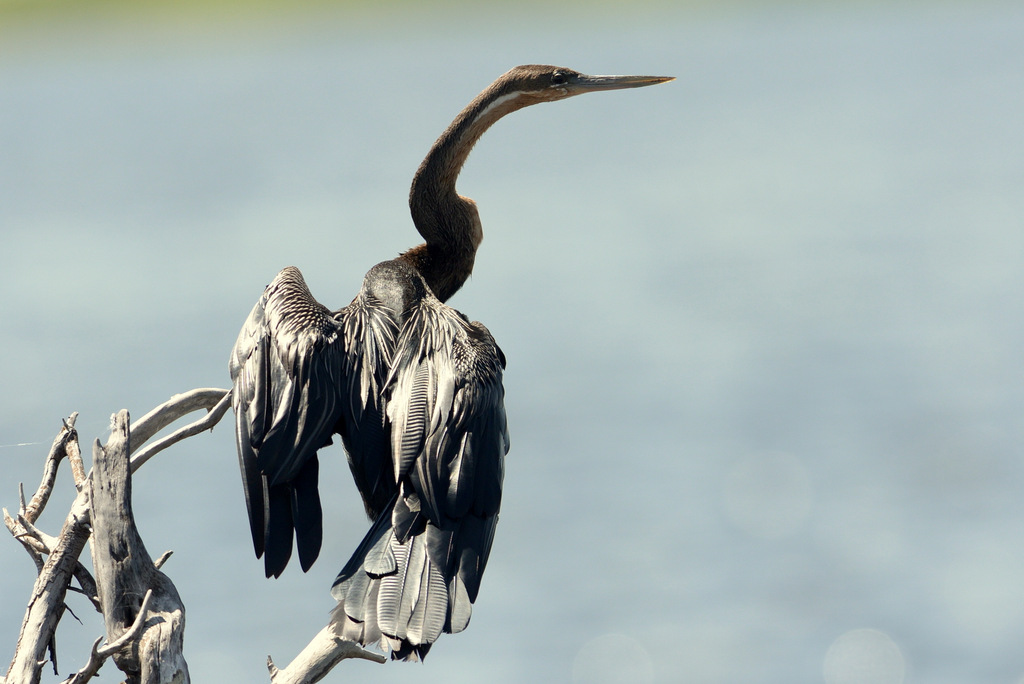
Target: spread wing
[(418, 570), (287, 399), (301, 373)]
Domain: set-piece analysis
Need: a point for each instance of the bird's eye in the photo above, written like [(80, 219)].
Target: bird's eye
[(558, 78)]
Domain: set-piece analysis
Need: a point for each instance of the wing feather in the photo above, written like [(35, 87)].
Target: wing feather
[(370, 332), (448, 439), (287, 400)]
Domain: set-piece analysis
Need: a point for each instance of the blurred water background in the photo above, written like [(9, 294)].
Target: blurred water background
[(763, 324)]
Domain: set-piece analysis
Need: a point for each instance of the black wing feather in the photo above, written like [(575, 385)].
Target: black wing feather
[(370, 332), (287, 402), (415, 391), (446, 416)]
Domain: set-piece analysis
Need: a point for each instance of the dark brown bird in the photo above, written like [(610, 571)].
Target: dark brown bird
[(413, 388)]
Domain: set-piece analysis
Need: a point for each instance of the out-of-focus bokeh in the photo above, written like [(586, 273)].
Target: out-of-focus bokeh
[(763, 323)]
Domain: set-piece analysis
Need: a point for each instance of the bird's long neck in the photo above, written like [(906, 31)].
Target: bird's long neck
[(447, 221)]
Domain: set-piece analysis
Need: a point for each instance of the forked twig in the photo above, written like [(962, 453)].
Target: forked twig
[(174, 408), (216, 412), (58, 450), (99, 654), (54, 575), (322, 653)]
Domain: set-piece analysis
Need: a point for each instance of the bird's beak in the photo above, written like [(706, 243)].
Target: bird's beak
[(590, 84)]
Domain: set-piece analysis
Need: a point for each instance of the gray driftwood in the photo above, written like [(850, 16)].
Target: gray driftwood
[(125, 572), (143, 615), (57, 558), (46, 604), (313, 663)]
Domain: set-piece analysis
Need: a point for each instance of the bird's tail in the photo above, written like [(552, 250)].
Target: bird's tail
[(406, 593)]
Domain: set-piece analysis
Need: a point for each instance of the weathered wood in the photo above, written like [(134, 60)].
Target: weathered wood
[(47, 601), (145, 643), (100, 653), (218, 401), (173, 409), (125, 571), (35, 542), (46, 605), (325, 651), (67, 436)]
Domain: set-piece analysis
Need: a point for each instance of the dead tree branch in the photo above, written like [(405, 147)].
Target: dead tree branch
[(125, 572), (143, 615), (217, 401), (325, 651), (23, 527), (174, 408), (58, 451), (46, 604), (100, 654)]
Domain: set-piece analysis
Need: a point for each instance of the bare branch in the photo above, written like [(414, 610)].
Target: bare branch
[(47, 600), (46, 541), (45, 607), (74, 454), (100, 654), (125, 570), (133, 631), (34, 541), (325, 651), (58, 450), (206, 422), (173, 409), (87, 585), (159, 562), (33, 546)]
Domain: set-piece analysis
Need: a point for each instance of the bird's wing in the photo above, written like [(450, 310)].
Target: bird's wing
[(418, 570), (447, 415), (285, 367), (370, 332)]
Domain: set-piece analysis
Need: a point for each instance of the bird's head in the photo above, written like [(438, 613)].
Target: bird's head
[(544, 83)]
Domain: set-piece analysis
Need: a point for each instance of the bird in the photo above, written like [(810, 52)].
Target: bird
[(414, 390)]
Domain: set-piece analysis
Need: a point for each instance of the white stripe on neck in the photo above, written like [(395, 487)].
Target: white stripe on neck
[(498, 102)]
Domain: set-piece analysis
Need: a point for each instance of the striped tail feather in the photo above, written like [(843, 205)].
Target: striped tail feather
[(401, 594)]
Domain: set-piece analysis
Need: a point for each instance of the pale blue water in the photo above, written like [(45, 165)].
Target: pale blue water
[(763, 323)]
